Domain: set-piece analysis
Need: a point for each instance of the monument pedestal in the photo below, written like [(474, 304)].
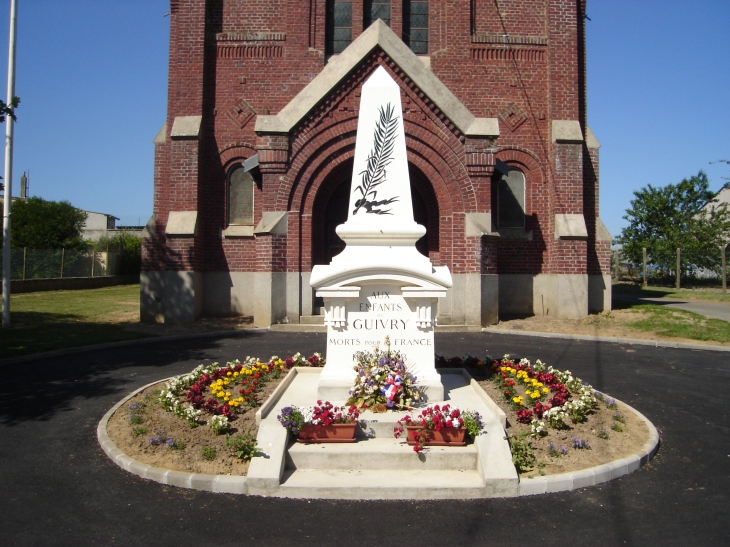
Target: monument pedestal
[(361, 313)]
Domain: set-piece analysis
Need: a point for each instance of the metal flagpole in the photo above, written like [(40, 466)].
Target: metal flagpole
[(9, 165)]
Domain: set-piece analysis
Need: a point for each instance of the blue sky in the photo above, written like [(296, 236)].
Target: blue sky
[(92, 78)]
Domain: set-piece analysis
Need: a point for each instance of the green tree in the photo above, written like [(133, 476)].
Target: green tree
[(41, 224), (129, 247), (678, 215)]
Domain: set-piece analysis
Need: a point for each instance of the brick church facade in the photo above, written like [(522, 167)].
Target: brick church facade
[(254, 161)]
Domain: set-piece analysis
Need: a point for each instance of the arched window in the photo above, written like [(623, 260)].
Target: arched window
[(240, 197), (415, 25), (374, 10), (338, 26), (511, 199)]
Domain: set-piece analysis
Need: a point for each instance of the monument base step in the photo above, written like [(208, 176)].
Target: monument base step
[(379, 453), (311, 319), (297, 327), (382, 484)]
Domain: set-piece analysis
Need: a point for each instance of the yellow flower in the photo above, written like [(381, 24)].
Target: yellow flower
[(219, 394), (229, 373), (545, 390), (235, 374), (228, 393)]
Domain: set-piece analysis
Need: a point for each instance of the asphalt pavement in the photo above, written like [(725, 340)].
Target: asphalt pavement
[(59, 488)]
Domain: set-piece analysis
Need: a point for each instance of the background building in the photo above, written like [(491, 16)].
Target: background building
[(253, 164)]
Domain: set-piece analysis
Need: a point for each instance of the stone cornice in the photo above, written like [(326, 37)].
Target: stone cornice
[(378, 35)]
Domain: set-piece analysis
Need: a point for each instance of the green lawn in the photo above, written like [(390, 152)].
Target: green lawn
[(45, 321), (668, 292), (670, 322)]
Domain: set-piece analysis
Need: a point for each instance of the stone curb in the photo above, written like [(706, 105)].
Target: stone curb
[(237, 484), (598, 474), (227, 484), (124, 343), (611, 339)]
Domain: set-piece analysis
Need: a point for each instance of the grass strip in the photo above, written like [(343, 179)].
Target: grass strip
[(670, 322), (46, 321)]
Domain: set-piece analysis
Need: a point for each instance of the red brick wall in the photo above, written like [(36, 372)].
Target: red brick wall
[(518, 60)]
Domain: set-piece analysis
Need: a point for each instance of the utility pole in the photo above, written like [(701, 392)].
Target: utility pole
[(9, 165)]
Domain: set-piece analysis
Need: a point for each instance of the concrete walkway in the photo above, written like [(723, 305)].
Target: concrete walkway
[(59, 488), (716, 310)]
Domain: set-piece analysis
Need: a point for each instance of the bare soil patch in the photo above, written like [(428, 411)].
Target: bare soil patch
[(189, 459), (617, 445)]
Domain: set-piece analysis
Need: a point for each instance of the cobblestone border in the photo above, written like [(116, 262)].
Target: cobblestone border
[(237, 484)]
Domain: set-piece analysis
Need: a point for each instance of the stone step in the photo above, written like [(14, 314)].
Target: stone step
[(295, 327), (379, 453), (384, 484), (311, 319)]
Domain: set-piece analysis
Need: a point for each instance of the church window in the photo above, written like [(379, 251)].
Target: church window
[(377, 9), (511, 199), (339, 26), (415, 26), (240, 197)]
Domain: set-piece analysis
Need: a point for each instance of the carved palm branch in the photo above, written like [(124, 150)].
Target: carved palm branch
[(380, 157)]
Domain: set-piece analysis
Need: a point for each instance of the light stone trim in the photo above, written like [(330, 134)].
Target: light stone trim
[(186, 127), (570, 226), (591, 140), (378, 34), (150, 228), (182, 223), (238, 231), (602, 233), (161, 134), (272, 222), (265, 409), (479, 224), (567, 131)]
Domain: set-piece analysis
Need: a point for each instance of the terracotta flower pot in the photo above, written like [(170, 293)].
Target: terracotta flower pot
[(448, 436), (335, 433)]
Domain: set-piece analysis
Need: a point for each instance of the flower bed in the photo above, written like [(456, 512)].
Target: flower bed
[(557, 423), (204, 421)]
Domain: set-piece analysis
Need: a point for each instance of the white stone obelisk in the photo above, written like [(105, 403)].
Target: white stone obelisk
[(380, 284)]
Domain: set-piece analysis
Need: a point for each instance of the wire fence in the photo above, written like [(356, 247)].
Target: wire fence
[(60, 263)]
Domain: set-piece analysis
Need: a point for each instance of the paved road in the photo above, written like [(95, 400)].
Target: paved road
[(717, 310), (58, 487)]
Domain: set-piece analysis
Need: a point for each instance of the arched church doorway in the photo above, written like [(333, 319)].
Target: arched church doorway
[(332, 201)]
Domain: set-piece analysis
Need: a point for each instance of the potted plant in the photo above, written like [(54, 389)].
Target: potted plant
[(322, 423), (438, 425)]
